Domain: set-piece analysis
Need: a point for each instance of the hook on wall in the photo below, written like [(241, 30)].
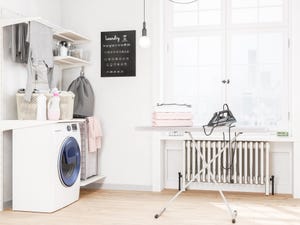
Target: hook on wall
[(82, 71)]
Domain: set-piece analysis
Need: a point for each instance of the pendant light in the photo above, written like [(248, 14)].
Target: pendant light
[(144, 39)]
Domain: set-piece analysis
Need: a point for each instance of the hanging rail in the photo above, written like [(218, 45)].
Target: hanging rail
[(59, 32)]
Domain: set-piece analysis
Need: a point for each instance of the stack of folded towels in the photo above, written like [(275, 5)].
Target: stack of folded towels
[(168, 115)]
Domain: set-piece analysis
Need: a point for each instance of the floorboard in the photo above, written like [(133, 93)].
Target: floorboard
[(104, 207)]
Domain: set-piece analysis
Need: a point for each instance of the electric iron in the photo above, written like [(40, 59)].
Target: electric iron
[(220, 118)]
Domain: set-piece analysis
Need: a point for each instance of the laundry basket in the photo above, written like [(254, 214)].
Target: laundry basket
[(27, 110)]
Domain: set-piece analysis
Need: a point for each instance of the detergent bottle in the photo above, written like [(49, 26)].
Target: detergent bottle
[(41, 107), (53, 106)]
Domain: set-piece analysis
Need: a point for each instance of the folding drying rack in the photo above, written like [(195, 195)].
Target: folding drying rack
[(233, 213), (188, 130)]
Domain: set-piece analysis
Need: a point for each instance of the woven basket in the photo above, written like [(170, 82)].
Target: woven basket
[(27, 110)]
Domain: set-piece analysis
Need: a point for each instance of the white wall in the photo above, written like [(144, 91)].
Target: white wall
[(14, 75), (49, 10), (295, 43), (121, 103)]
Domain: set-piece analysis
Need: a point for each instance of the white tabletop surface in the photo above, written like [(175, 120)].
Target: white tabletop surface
[(249, 134), (17, 124)]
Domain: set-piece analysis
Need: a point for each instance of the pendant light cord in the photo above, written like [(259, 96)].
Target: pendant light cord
[(144, 10), (144, 30), (144, 39), (177, 2)]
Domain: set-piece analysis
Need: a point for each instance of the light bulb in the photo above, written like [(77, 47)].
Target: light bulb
[(144, 41)]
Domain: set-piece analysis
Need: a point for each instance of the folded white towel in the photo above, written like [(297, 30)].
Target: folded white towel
[(172, 108)]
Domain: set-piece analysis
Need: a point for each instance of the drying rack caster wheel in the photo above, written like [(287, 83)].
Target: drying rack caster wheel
[(234, 216), (156, 216)]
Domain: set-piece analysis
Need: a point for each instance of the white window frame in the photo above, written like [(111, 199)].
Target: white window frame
[(227, 29)]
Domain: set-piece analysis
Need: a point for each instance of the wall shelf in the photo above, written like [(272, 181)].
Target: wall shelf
[(59, 34), (11, 21), (71, 61), (70, 36)]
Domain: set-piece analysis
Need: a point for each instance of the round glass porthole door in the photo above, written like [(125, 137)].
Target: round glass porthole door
[(69, 161)]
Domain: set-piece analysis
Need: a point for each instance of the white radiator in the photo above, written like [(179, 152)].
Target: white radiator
[(250, 163)]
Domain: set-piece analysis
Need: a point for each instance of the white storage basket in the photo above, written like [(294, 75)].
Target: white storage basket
[(27, 110)]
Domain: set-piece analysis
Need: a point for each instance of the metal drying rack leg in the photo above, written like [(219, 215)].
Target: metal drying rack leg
[(233, 213)]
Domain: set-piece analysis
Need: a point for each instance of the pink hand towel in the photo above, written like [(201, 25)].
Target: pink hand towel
[(94, 133)]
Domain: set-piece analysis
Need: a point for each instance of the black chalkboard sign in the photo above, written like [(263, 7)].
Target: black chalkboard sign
[(118, 53)]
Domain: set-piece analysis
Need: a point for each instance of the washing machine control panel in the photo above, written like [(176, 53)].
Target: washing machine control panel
[(74, 127)]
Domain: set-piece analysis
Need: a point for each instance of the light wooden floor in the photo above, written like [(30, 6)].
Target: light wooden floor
[(104, 207)]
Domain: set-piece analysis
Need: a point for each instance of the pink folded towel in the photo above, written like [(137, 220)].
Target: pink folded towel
[(94, 133), (172, 123), (172, 115)]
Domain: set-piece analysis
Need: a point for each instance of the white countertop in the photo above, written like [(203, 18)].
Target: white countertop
[(6, 125), (178, 133)]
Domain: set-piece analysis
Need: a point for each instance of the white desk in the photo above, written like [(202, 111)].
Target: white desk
[(162, 134)]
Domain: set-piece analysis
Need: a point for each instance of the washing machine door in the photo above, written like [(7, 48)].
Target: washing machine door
[(69, 161)]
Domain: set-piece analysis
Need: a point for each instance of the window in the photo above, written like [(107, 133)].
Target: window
[(197, 13), (243, 41)]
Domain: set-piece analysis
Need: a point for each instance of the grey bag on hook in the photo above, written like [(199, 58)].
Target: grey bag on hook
[(84, 97)]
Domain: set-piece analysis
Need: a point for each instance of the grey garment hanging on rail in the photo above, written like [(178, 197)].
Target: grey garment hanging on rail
[(84, 97), (40, 56), (19, 47)]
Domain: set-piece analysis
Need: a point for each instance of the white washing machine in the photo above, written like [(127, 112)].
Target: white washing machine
[(46, 167)]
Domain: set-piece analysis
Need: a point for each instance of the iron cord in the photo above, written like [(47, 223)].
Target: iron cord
[(212, 129), (221, 119), (210, 132), (231, 153)]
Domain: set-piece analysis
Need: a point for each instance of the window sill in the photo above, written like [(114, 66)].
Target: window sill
[(246, 136)]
